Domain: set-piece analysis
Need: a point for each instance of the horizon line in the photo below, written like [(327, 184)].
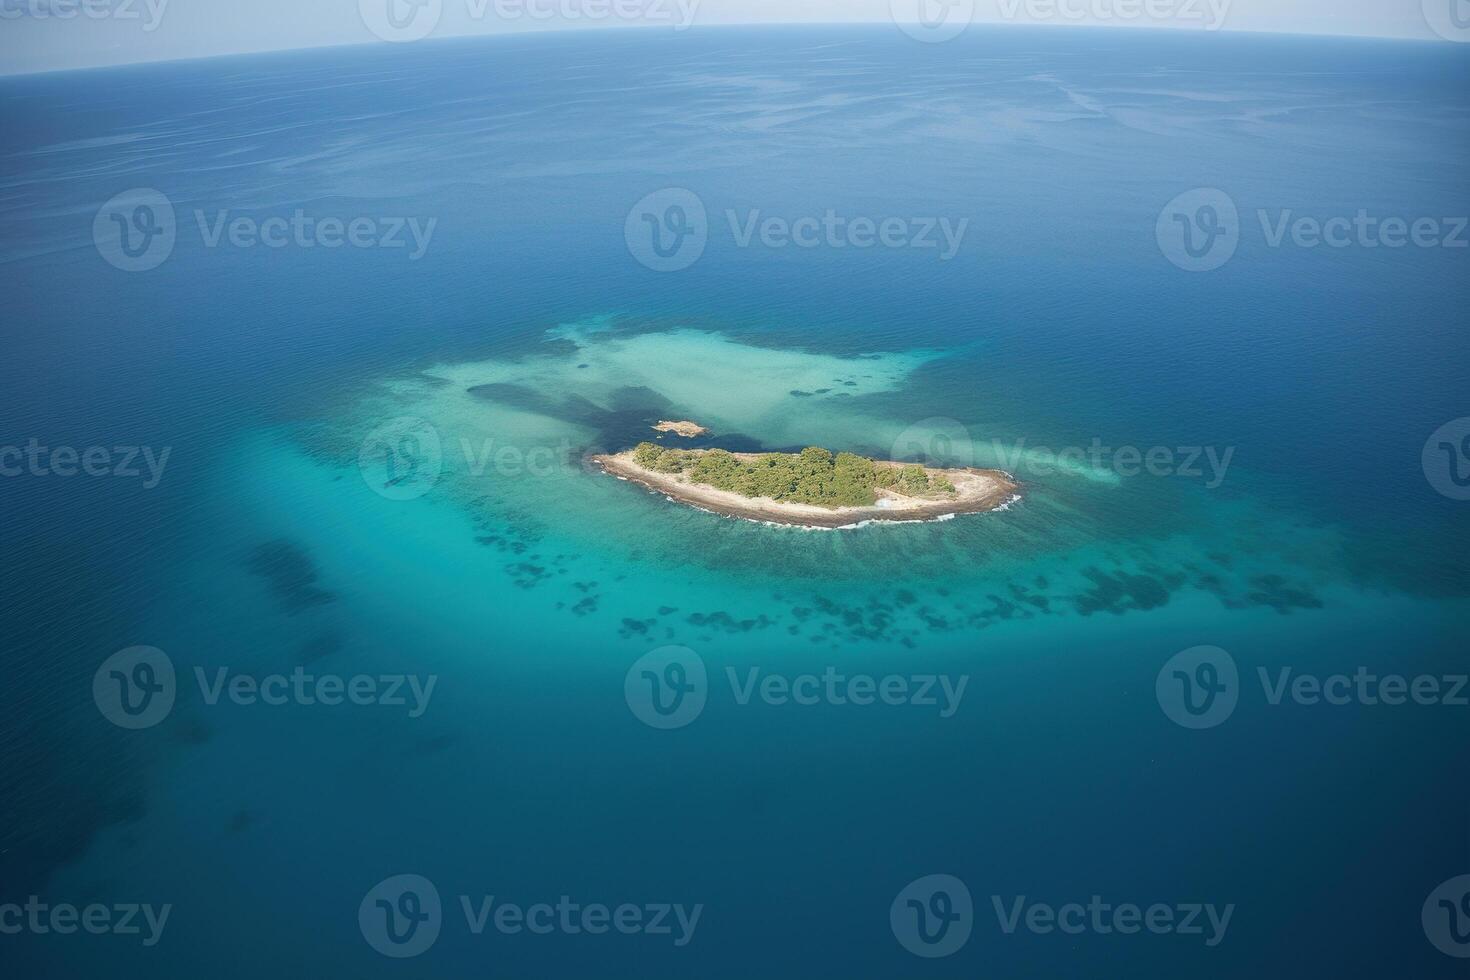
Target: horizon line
[(615, 29)]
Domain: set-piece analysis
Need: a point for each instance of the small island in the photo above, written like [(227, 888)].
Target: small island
[(686, 429), (813, 488)]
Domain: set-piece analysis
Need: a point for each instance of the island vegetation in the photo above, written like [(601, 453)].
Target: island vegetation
[(813, 476), (814, 488)]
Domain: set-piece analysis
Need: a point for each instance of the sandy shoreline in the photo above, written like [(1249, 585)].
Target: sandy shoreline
[(977, 491)]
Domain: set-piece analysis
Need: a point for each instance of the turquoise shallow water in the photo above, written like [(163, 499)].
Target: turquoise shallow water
[(528, 586)]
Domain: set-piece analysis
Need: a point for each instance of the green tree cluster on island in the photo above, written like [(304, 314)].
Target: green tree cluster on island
[(812, 476)]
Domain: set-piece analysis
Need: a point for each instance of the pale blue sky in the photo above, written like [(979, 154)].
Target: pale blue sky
[(40, 35)]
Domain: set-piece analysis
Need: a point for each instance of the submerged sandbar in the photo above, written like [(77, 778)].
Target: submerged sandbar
[(684, 428)]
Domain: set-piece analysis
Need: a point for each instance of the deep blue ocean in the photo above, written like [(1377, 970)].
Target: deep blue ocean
[(1328, 538)]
